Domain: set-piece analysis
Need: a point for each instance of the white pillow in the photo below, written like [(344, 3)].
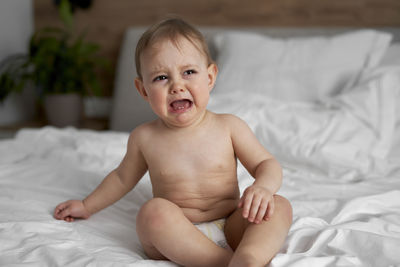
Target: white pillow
[(348, 136), (392, 56), (295, 69)]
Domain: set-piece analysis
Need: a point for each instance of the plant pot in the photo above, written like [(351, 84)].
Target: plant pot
[(63, 109)]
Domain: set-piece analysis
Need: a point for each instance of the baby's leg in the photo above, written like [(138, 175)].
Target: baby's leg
[(166, 233), (257, 244)]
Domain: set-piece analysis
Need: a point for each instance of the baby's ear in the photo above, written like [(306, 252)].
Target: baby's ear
[(139, 86), (212, 75)]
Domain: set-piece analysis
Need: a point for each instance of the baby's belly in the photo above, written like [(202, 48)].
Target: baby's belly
[(220, 209), (202, 203)]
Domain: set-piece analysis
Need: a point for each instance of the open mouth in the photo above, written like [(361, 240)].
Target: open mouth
[(181, 105)]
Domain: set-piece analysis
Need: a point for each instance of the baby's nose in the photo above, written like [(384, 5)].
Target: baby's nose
[(177, 88)]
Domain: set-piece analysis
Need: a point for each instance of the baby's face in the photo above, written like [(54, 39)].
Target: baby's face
[(176, 81)]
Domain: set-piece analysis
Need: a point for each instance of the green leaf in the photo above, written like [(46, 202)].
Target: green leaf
[(65, 12)]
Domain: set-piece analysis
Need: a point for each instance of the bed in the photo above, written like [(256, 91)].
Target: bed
[(325, 103)]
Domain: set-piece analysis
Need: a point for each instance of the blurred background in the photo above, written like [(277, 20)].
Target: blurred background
[(95, 28)]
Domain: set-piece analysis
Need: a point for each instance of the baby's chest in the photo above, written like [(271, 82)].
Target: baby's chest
[(191, 158)]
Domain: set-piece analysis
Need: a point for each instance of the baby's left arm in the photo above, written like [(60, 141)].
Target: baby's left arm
[(257, 200)]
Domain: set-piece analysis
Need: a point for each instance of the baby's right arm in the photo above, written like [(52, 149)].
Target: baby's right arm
[(116, 184)]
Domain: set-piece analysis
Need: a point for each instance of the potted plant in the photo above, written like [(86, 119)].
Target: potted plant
[(62, 66)]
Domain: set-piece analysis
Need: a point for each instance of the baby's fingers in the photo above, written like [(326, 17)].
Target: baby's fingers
[(262, 211), (240, 205), (254, 209), (247, 200), (65, 213), (69, 219), (270, 211), (58, 210)]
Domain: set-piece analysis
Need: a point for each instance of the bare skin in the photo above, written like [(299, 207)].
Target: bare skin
[(191, 155)]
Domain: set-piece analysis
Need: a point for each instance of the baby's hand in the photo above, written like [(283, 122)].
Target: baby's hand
[(71, 210), (257, 203)]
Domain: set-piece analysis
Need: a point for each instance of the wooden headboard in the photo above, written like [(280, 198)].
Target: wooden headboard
[(106, 21)]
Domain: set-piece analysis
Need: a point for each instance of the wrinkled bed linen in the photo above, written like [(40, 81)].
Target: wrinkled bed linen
[(336, 223), (346, 202)]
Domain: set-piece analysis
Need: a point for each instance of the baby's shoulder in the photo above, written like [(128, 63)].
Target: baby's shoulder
[(229, 120), (142, 132)]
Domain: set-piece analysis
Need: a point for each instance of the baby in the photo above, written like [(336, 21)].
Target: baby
[(191, 155)]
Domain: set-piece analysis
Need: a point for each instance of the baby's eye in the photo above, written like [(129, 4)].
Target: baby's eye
[(189, 72), (160, 78)]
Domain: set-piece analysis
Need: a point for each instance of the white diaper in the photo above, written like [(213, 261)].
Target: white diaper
[(214, 230)]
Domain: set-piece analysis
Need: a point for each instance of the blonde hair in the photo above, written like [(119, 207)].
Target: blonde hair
[(171, 29)]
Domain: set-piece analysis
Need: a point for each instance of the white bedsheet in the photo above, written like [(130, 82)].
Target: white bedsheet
[(344, 214)]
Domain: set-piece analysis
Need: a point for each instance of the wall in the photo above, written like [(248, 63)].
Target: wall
[(16, 26), (107, 20)]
